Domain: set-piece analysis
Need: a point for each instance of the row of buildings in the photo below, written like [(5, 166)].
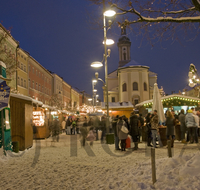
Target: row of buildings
[(31, 79)]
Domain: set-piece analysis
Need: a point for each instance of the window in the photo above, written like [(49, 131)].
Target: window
[(25, 68), (24, 83), (22, 66), (18, 81), (25, 58), (135, 86), (136, 101), (36, 72), (113, 99), (39, 87), (36, 86), (124, 87), (32, 84), (145, 86), (33, 70), (29, 67)]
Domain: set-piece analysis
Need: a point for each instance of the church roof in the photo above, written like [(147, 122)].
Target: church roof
[(133, 63), (123, 39)]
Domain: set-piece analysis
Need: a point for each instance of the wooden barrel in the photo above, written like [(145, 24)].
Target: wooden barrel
[(178, 132), (144, 133), (15, 146), (163, 136)]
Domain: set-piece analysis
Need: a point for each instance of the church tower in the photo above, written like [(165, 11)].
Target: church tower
[(124, 46)]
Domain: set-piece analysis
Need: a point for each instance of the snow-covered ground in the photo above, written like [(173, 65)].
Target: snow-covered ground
[(65, 165)]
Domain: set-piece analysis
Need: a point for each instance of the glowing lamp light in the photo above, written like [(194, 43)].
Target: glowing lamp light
[(109, 42), (90, 99), (109, 13), (95, 90), (94, 81), (96, 64)]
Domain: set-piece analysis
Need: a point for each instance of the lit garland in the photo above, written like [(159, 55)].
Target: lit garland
[(175, 101)]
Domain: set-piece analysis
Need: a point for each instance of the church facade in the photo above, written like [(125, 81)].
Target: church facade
[(131, 81)]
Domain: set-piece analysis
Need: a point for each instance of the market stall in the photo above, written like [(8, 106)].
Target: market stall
[(175, 102), (40, 120), (21, 120)]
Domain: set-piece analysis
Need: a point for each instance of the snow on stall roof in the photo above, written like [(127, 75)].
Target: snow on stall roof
[(21, 96), (118, 105), (166, 97)]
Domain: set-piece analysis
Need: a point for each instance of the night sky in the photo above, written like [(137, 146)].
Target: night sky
[(61, 37)]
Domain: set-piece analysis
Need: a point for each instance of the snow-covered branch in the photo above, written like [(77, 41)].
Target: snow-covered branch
[(162, 18)]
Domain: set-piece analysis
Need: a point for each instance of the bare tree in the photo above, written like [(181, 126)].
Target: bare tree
[(157, 20), (56, 101), (8, 56)]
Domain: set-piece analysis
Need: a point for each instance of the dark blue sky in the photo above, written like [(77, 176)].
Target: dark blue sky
[(59, 35)]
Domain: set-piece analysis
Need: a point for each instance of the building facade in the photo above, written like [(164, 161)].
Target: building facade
[(40, 82), (131, 81), (22, 72)]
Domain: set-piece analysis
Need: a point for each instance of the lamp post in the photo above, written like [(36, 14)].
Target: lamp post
[(106, 42), (193, 77), (94, 93)]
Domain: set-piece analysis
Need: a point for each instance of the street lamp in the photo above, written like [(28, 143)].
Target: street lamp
[(193, 77), (108, 13)]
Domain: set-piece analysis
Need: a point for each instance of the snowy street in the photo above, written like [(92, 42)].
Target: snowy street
[(67, 165)]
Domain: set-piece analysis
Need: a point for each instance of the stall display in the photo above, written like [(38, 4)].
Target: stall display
[(38, 118), (42, 128)]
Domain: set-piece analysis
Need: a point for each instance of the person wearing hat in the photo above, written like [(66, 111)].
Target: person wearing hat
[(191, 125)]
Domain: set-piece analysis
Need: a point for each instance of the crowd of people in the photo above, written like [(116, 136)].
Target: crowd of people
[(130, 129)]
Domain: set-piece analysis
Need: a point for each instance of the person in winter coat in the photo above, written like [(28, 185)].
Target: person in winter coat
[(114, 128), (122, 136), (63, 125), (96, 125), (91, 136), (148, 129), (154, 129), (134, 130), (84, 131), (196, 117), (103, 127), (68, 123), (140, 118), (191, 125), (182, 126), (170, 122)]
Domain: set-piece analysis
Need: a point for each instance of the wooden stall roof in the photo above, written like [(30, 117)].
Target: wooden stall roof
[(173, 100)]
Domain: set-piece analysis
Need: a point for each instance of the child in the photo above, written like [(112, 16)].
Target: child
[(91, 136)]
